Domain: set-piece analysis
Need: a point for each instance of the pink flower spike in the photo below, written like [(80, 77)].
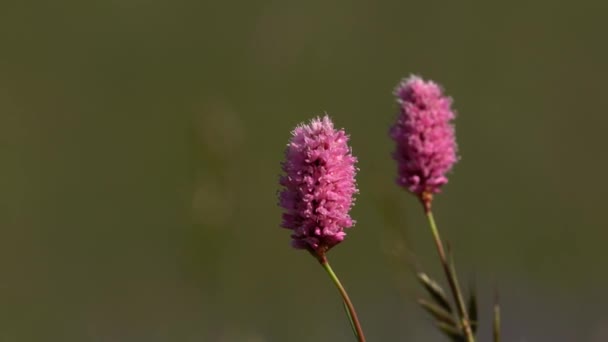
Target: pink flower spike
[(319, 184), (424, 136)]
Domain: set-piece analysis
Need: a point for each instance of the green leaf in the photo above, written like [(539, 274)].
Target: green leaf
[(350, 319), (496, 328), (455, 334), (435, 291), (438, 312), (472, 310)]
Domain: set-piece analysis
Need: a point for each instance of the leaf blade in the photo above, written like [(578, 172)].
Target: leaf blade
[(496, 325), (436, 292), (454, 334), (350, 319), (473, 310), (438, 312)]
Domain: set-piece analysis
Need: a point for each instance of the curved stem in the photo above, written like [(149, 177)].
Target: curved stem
[(451, 276), (347, 301)]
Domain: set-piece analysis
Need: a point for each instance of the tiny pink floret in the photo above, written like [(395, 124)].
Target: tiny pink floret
[(319, 184), (424, 136)]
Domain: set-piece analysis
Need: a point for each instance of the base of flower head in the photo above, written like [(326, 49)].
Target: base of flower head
[(316, 238), (319, 254), (426, 197)]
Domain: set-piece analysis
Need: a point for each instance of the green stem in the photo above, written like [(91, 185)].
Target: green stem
[(351, 309), (454, 287)]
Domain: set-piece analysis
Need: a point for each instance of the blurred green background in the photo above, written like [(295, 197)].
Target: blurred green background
[(140, 146)]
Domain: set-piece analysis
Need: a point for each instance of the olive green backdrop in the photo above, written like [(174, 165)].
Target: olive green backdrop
[(141, 141)]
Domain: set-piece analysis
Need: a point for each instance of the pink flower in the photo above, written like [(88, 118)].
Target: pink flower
[(426, 145), (319, 186)]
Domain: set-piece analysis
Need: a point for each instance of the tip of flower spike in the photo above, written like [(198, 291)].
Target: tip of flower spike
[(414, 86), (317, 124), (405, 83)]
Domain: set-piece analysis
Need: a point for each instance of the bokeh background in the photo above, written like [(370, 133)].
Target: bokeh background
[(140, 147)]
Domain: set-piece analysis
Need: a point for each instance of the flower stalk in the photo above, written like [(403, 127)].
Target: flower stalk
[(352, 313), (451, 277)]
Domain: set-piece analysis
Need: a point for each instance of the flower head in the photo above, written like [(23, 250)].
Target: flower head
[(426, 145), (319, 184)]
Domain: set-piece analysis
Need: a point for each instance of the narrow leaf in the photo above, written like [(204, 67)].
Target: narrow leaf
[(350, 319), (496, 330), (458, 293), (455, 334), (439, 313), (435, 291), (472, 310)]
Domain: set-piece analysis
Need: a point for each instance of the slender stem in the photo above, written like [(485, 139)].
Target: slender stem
[(347, 301), (454, 287)]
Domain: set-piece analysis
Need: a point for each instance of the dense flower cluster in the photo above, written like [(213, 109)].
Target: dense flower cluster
[(319, 184), (425, 143)]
